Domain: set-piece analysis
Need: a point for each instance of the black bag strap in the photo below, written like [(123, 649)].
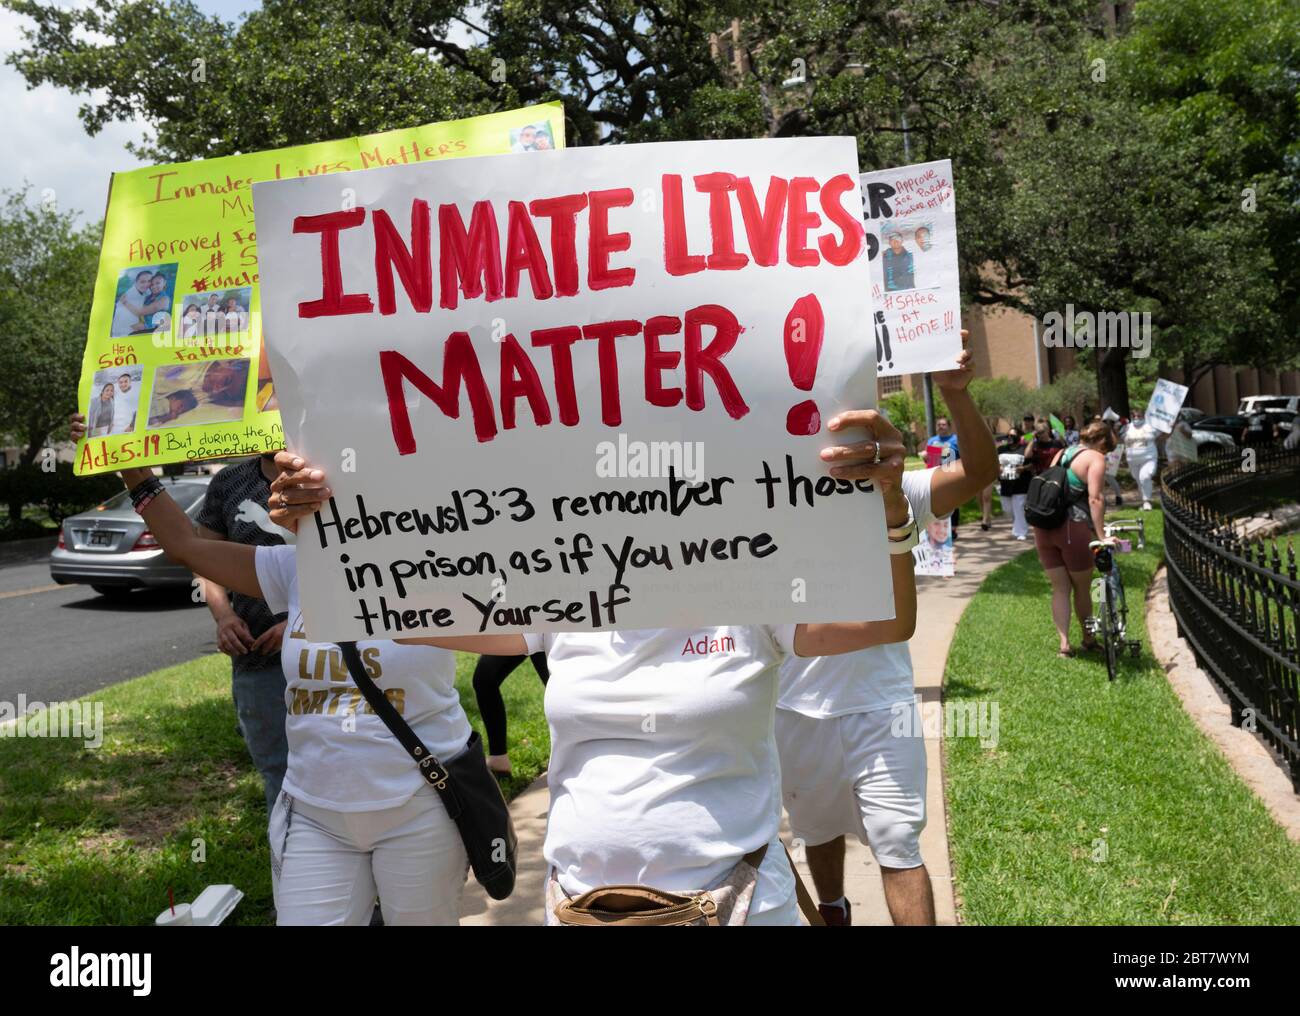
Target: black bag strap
[(434, 772)]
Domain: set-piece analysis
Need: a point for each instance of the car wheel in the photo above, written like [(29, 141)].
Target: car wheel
[(112, 592)]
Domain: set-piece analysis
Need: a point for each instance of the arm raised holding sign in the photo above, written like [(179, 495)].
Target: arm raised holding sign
[(957, 482)]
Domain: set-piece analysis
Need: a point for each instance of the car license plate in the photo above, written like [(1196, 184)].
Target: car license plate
[(101, 538)]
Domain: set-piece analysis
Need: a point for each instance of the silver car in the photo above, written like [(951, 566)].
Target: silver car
[(1208, 442), (111, 549)]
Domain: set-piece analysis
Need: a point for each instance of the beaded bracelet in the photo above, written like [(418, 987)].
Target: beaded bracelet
[(144, 492)]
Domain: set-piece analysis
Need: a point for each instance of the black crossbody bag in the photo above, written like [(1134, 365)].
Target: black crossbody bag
[(467, 787)]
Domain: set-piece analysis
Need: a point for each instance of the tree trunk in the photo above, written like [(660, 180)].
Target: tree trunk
[(1112, 380), (1195, 376), (33, 449)]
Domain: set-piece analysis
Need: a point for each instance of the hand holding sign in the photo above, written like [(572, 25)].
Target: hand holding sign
[(297, 492), (959, 377), (879, 459)]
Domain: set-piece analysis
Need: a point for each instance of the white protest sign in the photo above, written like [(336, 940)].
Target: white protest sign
[(1166, 401), (911, 220), (583, 390)]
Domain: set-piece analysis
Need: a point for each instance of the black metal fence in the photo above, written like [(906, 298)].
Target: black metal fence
[(1235, 598)]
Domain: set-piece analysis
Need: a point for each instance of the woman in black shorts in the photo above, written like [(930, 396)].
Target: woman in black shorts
[(1063, 552)]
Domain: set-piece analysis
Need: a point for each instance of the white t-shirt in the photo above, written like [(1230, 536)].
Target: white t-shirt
[(1140, 440), (664, 768), (365, 768), (123, 318), (869, 679), (124, 404)]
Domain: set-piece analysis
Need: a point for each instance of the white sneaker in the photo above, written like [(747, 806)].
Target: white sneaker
[(1146, 506)]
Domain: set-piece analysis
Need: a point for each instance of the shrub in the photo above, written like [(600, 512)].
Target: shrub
[(57, 492)]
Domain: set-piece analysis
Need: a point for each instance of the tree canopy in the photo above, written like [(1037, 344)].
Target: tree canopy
[(1153, 171), (47, 273)]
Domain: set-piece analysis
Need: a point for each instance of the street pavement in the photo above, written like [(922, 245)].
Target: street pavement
[(62, 642)]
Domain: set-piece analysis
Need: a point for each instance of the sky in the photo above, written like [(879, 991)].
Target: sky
[(46, 145)]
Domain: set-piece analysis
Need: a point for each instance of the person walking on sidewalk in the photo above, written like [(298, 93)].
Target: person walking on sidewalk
[(1014, 479), (1139, 439), (354, 816), (843, 770), (943, 451), (1041, 448)]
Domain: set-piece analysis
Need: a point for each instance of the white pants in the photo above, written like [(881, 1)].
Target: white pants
[(1019, 525), (332, 863), (1143, 469), (1112, 481)]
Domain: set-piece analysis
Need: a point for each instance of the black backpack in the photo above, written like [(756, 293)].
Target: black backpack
[(1048, 502)]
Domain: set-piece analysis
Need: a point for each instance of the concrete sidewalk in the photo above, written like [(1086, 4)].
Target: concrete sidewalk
[(940, 603), (524, 905)]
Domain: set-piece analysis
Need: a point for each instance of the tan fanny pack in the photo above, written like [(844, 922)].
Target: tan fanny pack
[(631, 906)]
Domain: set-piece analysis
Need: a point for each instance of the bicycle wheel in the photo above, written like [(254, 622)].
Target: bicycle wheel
[(1112, 653), (1114, 629), (1107, 623)]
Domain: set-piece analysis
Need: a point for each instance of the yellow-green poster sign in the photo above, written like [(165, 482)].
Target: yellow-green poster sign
[(174, 370)]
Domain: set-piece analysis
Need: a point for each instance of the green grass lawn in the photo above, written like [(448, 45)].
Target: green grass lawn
[(97, 836), (1100, 803)]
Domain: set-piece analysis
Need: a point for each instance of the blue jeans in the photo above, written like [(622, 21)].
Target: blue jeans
[(259, 704)]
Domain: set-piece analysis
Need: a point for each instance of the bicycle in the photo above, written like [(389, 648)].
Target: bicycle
[(1109, 621)]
